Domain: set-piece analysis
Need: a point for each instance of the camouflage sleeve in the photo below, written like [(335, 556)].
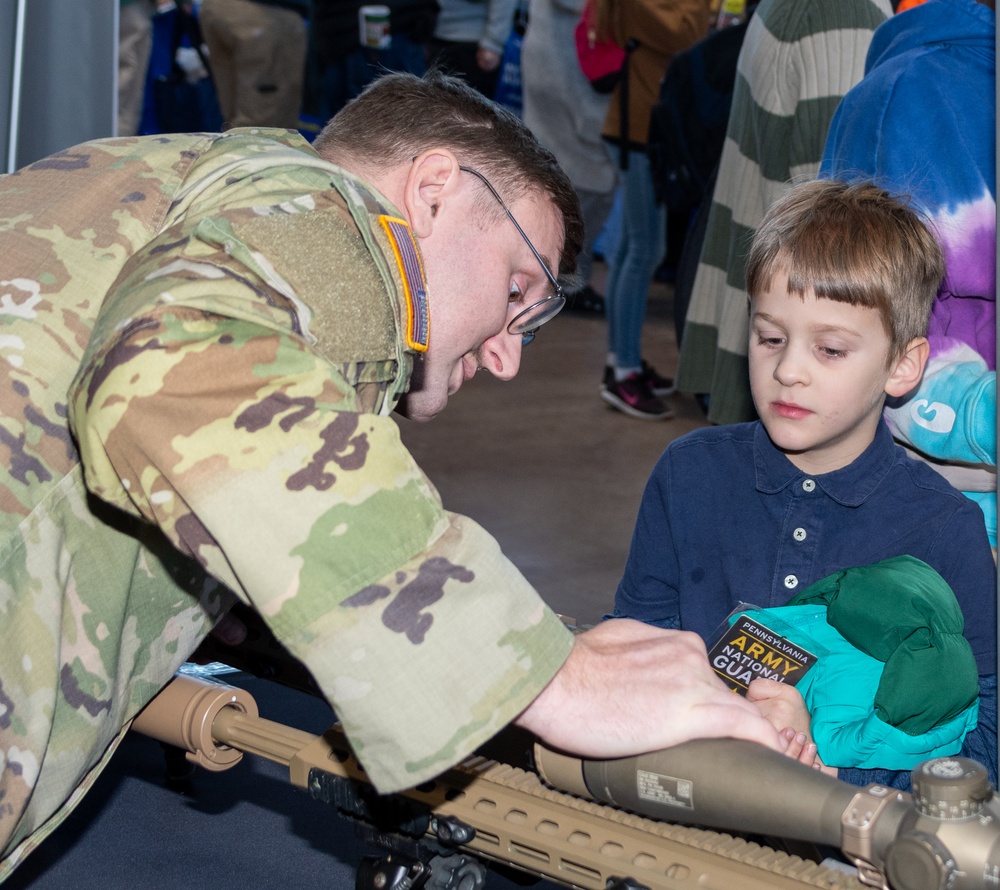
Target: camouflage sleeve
[(247, 448)]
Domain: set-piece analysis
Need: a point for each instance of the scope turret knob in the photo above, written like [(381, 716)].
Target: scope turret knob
[(918, 862), (950, 788)]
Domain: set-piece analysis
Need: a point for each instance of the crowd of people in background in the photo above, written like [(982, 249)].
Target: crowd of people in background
[(778, 76), (295, 63)]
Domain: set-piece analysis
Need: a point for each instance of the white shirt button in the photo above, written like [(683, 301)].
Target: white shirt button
[(791, 582), (799, 534), (808, 485)]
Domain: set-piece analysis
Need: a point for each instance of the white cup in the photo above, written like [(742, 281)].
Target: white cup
[(373, 27)]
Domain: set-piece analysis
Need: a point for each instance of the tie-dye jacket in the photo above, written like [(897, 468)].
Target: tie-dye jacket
[(201, 339), (922, 124)]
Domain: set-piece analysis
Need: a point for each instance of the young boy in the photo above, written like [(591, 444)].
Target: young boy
[(840, 281)]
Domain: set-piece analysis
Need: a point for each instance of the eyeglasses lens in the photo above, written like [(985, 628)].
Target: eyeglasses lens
[(529, 320)]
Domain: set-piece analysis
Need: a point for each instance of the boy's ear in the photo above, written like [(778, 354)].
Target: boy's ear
[(909, 368), (432, 179)]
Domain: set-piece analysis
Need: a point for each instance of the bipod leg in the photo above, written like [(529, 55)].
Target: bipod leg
[(392, 872), (456, 872)]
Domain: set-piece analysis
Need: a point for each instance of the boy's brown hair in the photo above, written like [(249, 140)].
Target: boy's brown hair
[(853, 243)]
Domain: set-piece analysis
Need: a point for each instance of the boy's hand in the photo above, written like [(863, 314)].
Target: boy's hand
[(800, 746), (784, 706), (780, 703), (803, 749)]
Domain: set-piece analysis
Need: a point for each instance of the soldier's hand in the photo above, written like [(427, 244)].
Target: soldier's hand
[(628, 688)]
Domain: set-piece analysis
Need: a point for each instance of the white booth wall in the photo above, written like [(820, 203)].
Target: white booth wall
[(58, 76)]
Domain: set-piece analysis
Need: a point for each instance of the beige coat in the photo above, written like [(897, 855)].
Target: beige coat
[(662, 29)]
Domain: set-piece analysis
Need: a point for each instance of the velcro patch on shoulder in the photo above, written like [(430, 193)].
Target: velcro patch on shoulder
[(412, 273)]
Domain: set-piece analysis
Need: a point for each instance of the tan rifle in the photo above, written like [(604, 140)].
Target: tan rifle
[(946, 835)]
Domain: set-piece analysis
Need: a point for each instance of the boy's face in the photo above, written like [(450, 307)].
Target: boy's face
[(819, 374)]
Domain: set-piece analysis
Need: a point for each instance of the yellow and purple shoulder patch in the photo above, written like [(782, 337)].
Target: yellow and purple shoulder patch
[(411, 271)]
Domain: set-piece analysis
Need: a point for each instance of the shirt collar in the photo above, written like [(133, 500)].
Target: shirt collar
[(849, 486)]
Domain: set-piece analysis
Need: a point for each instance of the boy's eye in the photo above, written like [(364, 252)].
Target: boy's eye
[(831, 352), (515, 294), (770, 340)]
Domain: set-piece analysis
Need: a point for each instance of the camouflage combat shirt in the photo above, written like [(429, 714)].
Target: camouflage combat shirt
[(202, 339)]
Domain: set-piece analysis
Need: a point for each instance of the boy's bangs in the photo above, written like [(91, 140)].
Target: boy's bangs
[(835, 267)]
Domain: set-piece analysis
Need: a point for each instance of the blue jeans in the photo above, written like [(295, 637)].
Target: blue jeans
[(344, 80), (633, 261)]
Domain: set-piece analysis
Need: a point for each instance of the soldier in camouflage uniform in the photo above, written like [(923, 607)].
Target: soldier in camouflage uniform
[(203, 338)]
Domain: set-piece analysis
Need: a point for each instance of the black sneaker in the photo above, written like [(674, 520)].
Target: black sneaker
[(585, 300), (658, 386), (633, 397), (608, 379)]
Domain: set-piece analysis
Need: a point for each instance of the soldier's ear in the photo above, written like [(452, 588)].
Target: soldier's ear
[(431, 183)]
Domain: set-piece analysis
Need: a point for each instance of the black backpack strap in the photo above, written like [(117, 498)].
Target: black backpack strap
[(623, 99), (186, 23)]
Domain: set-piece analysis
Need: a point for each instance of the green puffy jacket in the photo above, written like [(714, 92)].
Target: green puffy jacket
[(896, 681)]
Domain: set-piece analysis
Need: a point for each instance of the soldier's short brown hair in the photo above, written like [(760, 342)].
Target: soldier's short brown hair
[(400, 115), (853, 243)]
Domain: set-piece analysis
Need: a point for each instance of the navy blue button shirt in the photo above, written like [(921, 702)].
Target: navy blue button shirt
[(727, 518)]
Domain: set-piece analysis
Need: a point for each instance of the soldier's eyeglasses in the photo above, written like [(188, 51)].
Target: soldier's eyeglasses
[(529, 320)]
